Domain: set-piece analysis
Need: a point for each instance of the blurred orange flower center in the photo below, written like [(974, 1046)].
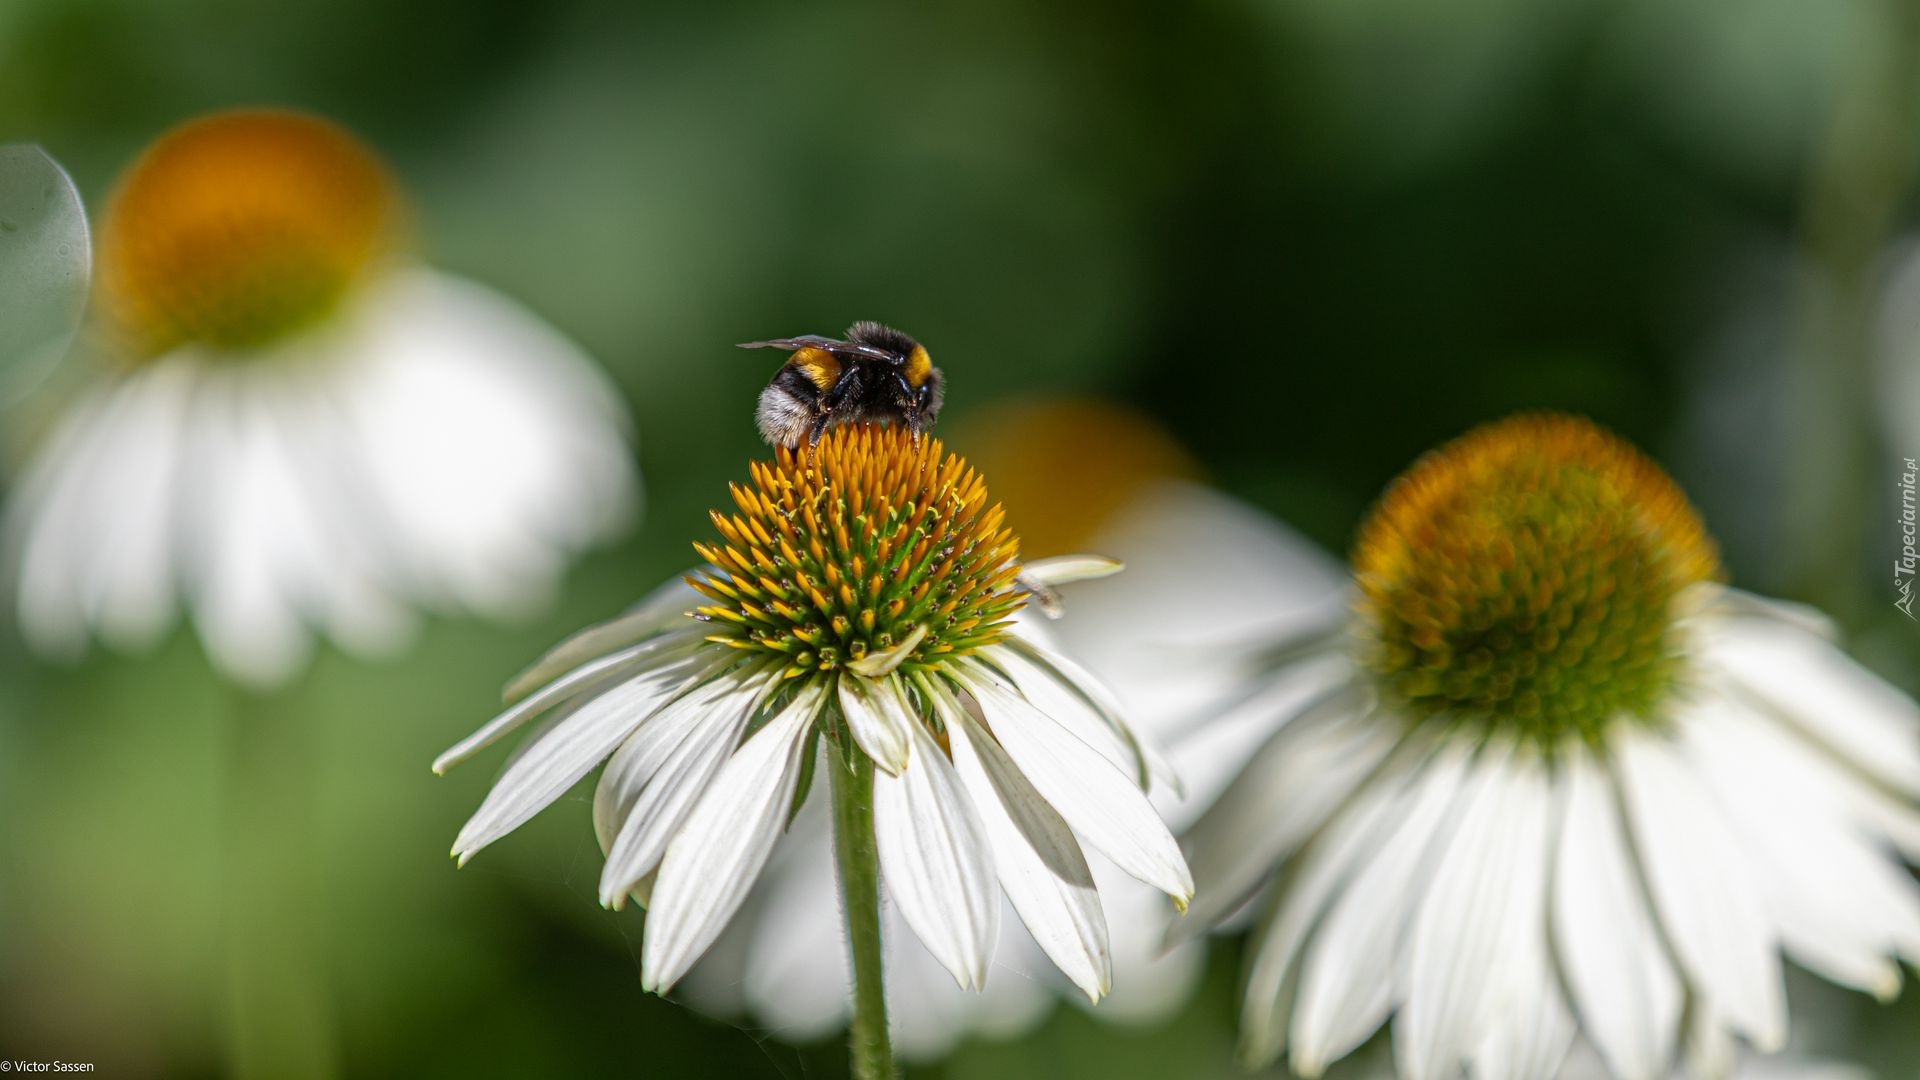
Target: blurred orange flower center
[(235, 229), (1526, 575)]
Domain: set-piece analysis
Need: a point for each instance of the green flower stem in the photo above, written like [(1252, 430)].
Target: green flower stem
[(278, 1015), (869, 1043)]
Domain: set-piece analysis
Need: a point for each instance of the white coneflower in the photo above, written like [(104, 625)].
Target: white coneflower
[(1157, 635), (861, 602), (1564, 781), (1583, 1064), (308, 430)]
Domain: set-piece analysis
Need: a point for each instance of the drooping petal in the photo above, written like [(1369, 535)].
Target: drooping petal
[(725, 841), (661, 610), (131, 589), (254, 513), (1843, 908), (1077, 701), (1039, 862), (1347, 979), (1285, 794), (1703, 888), (493, 444), (1824, 694), (48, 523), (568, 752), (1326, 867), (677, 752), (1486, 895), (581, 680), (1101, 803), (1738, 603), (935, 860), (1532, 1029), (1625, 991), (324, 554), (1535, 1030)]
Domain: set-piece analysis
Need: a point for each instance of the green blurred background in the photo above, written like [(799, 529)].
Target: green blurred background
[(1312, 237)]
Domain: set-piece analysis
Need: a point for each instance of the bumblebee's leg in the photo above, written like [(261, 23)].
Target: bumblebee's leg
[(844, 391), (910, 408), (819, 426)]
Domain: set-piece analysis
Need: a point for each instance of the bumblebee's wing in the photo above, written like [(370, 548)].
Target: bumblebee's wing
[(832, 345)]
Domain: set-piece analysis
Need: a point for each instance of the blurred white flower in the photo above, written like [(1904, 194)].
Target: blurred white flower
[(1583, 1064), (865, 594), (1559, 780), (310, 432), (1160, 635)]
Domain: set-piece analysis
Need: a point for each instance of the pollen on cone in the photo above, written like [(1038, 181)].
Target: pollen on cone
[(871, 543), (232, 229)]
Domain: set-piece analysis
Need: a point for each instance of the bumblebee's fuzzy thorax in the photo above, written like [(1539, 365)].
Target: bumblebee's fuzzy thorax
[(877, 376)]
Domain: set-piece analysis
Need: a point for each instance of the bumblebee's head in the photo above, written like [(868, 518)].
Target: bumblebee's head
[(929, 392), (921, 384)]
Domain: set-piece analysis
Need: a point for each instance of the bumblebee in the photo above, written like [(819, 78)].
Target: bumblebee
[(878, 375)]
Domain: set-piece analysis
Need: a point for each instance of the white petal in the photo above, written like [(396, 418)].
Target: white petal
[(1487, 892), (712, 863), (1076, 700), (1741, 604), (1347, 983), (1040, 577), (1703, 888), (1828, 696), (1842, 907), (1212, 750), (568, 752), (1215, 573), (1535, 1031), (1286, 793), (255, 522), (1328, 864), (1532, 1029), (323, 549), (1883, 815), (1040, 864), (50, 521), (136, 488), (1711, 1051), (581, 680), (493, 444), (1623, 987), (1067, 569), (660, 611), (668, 764), (878, 718), (1101, 803), (935, 860)]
